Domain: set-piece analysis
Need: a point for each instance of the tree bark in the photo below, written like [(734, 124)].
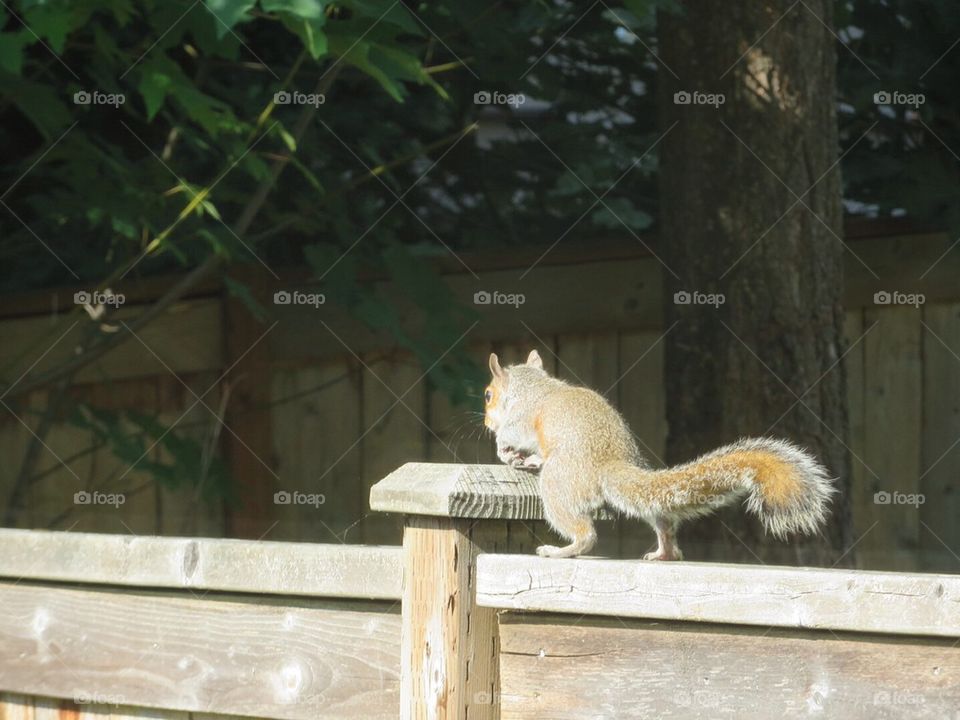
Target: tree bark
[(730, 176)]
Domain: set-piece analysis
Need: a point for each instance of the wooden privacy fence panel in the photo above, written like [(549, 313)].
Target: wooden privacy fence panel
[(573, 667), (146, 622), (332, 425)]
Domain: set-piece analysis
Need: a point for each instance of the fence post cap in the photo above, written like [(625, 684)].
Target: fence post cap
[(459, 491)]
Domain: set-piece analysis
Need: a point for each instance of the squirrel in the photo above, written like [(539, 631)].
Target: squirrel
[(587, 457)]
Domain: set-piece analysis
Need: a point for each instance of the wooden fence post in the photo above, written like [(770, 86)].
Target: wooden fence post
[(449, 645)]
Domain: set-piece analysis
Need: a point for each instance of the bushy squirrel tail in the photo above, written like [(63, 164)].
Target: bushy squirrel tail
[(782, 484)]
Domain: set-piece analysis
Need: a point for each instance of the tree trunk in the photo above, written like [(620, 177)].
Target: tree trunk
[(731, 175)]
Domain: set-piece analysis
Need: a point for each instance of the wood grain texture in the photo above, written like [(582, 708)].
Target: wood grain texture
[(854, 600), (31, 707), (889, 532), (394, 408), (449, 650), (940, 531), (611, 668), (316, 423), (247, 443), (861, 482), (465, 491), (293, 660), (348, 571)]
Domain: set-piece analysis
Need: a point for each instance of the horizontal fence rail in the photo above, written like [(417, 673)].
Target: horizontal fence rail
[(244, 566), (805, 598), (277, 630)]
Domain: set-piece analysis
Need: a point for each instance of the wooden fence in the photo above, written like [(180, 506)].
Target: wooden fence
[(311, 398), (456, 624)]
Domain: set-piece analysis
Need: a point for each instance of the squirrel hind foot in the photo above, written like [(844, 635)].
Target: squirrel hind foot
[(664, 554)]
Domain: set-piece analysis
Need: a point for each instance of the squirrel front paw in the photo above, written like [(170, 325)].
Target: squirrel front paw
[(532, 462), (518, 459)]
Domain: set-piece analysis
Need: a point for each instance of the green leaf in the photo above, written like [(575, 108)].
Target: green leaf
[(242, 293), (154, 85), (11, 50), (386, 11), (310, 31), (40, 103), (228, 13), (307, 9), (51, 22)]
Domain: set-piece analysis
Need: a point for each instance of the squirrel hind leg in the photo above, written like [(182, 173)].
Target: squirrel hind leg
[(584, 538), (667, 548)]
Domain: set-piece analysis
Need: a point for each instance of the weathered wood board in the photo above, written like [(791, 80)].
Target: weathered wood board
[(563, 668), (293, 660), (853, 600), (347, 571)]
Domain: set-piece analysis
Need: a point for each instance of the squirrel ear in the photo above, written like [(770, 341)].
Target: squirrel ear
[(495, 368), (534, 360)]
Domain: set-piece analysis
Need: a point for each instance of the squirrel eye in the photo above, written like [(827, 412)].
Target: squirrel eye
[(488, 396)]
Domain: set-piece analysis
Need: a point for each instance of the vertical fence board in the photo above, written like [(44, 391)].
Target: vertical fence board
[(861, 492), (316, 423), (940, 532), (393, 433), (892, 395)]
